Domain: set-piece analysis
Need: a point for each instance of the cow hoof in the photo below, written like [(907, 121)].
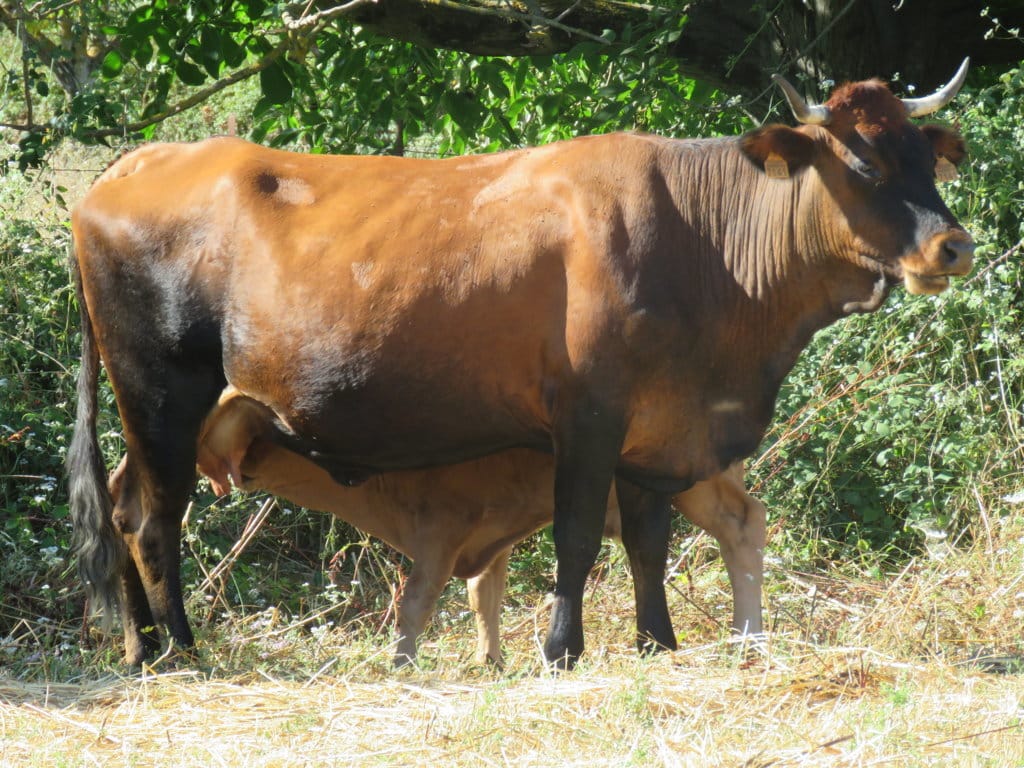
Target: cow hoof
[(140, 647), (561, 660), (648, 646)]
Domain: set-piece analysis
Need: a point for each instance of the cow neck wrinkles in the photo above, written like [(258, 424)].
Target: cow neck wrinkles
[(759, 249)]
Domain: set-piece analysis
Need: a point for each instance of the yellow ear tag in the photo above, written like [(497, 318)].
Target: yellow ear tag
[(945, 170), (775, 167)]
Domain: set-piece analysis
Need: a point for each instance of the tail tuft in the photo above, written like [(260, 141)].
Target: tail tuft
[(97, 545)]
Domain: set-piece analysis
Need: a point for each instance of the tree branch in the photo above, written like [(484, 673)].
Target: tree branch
[(196, 98), (24, 127), (51, 11), (500, 27), (533, 19), (17, 22), (51, 54), (28, 89)]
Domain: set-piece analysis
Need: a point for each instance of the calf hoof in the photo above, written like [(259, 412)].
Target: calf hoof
[(401, 661), (405, 650), (404, 658), (752, 645)]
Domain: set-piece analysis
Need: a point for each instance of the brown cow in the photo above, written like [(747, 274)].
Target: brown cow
[(627, 302), (463, 519)]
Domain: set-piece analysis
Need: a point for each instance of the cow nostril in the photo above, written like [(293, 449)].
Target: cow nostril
[(956, 250)]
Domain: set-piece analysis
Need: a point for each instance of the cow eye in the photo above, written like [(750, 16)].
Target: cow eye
[(866, 169)]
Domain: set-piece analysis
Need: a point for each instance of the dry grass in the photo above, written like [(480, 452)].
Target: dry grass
[(846, 706), (859, 672)]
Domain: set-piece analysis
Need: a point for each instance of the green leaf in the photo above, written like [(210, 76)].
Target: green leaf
[(143, 53), (210, 50), (275, 84), (189, 73), (233, 53), (112, 65)]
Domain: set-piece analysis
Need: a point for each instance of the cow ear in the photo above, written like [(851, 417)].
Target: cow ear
[(778, 150), (946, 143)]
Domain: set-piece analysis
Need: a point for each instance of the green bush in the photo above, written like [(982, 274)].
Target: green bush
[(37, 332)]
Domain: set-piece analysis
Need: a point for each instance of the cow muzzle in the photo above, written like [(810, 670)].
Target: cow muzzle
[(950, 254)]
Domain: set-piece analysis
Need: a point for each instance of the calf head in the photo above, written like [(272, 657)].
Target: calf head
[(867, 181)]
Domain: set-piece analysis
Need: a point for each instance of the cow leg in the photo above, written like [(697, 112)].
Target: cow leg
[(723, 508), (141, 639), (157, 561), (646, 526), (161, 415), (486, 591), (150, 523), (585, 457), (419, 599)]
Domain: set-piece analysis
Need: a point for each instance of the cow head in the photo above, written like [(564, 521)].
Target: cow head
[(879, 208)]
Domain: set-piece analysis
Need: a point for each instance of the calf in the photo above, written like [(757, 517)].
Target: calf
[(462, 520)]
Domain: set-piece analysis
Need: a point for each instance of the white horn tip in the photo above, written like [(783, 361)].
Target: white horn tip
[(934, 102)]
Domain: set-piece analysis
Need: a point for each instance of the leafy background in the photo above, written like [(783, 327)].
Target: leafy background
[(891, 435)]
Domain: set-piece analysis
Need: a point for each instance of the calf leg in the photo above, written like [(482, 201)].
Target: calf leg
[(140, 634), (646, 525), (430, 573), (486, 591), (722, 507), (151, 527)]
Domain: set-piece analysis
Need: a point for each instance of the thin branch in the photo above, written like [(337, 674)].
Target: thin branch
[(989, 732), (52, 11), (26, 79), (300, 27), (568, 10), (24, 127), (51, 54), (307, 23), (17, 23), (196, 98)]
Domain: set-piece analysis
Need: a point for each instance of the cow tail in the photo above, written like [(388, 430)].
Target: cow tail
[(98, 546)]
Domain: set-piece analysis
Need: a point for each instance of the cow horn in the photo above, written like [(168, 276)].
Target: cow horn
[(936, 101), (811, 114)]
